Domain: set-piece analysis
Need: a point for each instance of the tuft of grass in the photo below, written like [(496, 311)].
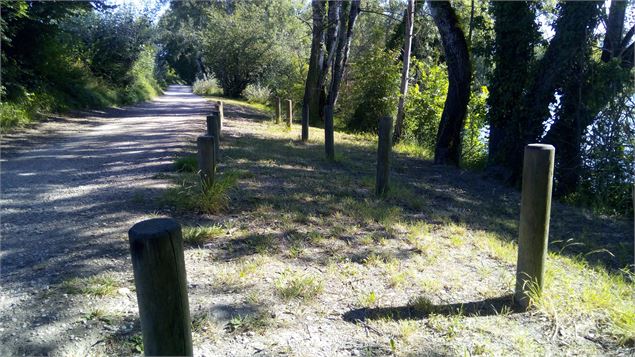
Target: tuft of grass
[(186, 163), (94, 285), (191, 195), (258, 322), (368, 299), (291, 285), (202, 234)]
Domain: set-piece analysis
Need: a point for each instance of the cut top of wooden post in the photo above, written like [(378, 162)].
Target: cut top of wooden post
[(153, 228)]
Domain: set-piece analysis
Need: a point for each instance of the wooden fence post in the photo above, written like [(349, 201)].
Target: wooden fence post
[(213, 130), (278, 110), (159, 271), (384, 146), (221, 113), (534, 222), (289, 112), (206, 159)]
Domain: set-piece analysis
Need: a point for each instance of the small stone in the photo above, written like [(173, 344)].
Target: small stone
[(355, 352), (123, 291)]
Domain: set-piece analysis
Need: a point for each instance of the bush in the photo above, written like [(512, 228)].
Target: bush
[(375, 90), (255, 93), (207, 86), (190, 195), (424, 103)]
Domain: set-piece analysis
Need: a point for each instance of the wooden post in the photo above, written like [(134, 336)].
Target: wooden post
[(534, 222), (213, 130), (159, 272), (289, 112), (206, 159), (383, 156), (221, 113), (278, 110)]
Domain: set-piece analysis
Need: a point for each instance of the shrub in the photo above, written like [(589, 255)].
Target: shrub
[(255, 93), (208, 86), (191, 195)]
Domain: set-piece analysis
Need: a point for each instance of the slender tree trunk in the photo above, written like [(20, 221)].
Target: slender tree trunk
[(344, 37), (313, 87), (614, 27), (448, 147), (403, 89)]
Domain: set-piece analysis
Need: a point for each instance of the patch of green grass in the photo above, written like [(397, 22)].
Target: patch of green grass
[(202, 234), (258, 322), (292, 285), (191, 195), (368, 299), (94, 285), (412, 149), (186, 163), (243, 103)]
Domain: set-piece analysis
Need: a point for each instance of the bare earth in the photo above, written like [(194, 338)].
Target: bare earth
[(72, 187)]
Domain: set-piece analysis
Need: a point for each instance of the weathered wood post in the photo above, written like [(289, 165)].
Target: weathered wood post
[(289, 112), (278, 110), (534, 222), (213, 130), (221, 113), (159, 272), (384, 146), (206, 159)]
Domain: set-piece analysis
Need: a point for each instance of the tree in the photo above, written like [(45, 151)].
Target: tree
[(403, 88), (315, 75), (516, 35), (448, 147), (342, 16)]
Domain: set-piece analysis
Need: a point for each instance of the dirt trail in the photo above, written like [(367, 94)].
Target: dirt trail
[(71, 188)]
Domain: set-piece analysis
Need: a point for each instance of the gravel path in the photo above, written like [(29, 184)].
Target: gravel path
[(71, 188)]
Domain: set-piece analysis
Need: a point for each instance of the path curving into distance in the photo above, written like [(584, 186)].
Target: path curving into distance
[(70, 190)]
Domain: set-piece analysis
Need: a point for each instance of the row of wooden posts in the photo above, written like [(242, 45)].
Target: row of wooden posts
[(156, 245), (289, 111)]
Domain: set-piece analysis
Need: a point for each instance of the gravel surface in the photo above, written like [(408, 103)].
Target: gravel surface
[(71, 188)]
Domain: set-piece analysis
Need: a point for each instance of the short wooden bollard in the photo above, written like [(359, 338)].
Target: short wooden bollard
[(383, 156), (159, 272), (213, 130), (221, 113), (289, 112), (206, 159), (278, 110), (534, 222)]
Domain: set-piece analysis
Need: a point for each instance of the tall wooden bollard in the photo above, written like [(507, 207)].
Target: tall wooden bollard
[(534, 222), (213, 130), (206, 159), (289, 112), (278, 110), (221, 113), (159, 272), (384, 146)]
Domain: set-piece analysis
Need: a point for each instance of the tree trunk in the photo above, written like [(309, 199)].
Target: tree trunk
[(344, 37), (403, 89), (313, 88), (614, 28), (448, 147), (516, 34)]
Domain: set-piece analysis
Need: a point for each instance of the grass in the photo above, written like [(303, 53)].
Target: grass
[(202, 234), (190, 195), (293, 285), (241, 102), (186, 163), (94, 285)]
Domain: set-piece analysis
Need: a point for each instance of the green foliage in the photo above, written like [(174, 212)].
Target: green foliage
[(375, 90), (474, 146), (255, 93), (251, 42), (424, 103), (208, 86), (293, 285), (202, 234)]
